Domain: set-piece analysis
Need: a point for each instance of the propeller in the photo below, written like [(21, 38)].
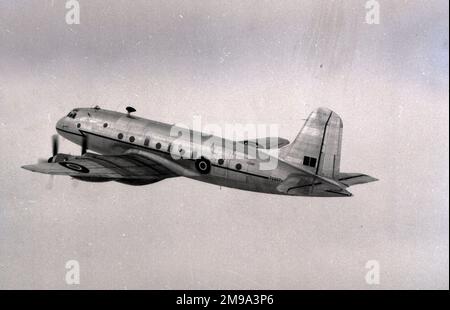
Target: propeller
[(74, 183), (55, 144), (55, 147), (84, 145), (84, 148), (50, 182)]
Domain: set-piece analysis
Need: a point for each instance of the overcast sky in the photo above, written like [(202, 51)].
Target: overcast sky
[(230, 62)]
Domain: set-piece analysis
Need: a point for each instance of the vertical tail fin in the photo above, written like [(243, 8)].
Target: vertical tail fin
[(317, 148)]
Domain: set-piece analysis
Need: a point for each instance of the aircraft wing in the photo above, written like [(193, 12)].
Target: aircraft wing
[(108, 167)]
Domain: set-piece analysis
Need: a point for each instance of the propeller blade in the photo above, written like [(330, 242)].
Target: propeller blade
[(75, 183), (84, 145), (55, 144), (50, 182)]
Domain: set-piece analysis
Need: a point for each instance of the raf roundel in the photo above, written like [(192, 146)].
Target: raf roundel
[(74, 167)]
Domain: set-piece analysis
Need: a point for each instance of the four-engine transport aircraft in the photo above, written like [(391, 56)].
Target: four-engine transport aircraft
[(137, 151)]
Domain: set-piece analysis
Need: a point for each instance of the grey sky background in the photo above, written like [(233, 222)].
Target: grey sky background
[(230, 62)]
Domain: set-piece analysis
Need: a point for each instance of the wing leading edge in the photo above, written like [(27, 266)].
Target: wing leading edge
[(108, 167)]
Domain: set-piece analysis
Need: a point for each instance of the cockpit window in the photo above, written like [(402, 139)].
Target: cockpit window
[(72, 114)]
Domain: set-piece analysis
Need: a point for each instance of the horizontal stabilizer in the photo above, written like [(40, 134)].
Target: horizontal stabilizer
[(351, 179), (267, 142), (312, 185)]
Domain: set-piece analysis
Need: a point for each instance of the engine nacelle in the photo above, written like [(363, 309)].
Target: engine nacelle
[(59, 157), (93, 179), (137, 182)]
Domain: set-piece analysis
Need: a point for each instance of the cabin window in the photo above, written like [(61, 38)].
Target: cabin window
[(132, 139), (238, 166), (158, 146), (120, 136), (221, 161), (78, 125), (146, 141), (309, 161), (105, 125)]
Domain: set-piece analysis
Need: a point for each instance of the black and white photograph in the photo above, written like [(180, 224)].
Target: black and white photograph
[(224, 145)]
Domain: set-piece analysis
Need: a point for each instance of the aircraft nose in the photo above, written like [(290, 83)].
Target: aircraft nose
[(61, 123)]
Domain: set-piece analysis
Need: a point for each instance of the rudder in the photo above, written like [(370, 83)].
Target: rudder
[(317, 148)]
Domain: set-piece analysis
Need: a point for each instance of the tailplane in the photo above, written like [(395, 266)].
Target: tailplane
[(350, 179)]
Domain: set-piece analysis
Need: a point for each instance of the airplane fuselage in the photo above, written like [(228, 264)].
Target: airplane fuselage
[(114, 133)]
